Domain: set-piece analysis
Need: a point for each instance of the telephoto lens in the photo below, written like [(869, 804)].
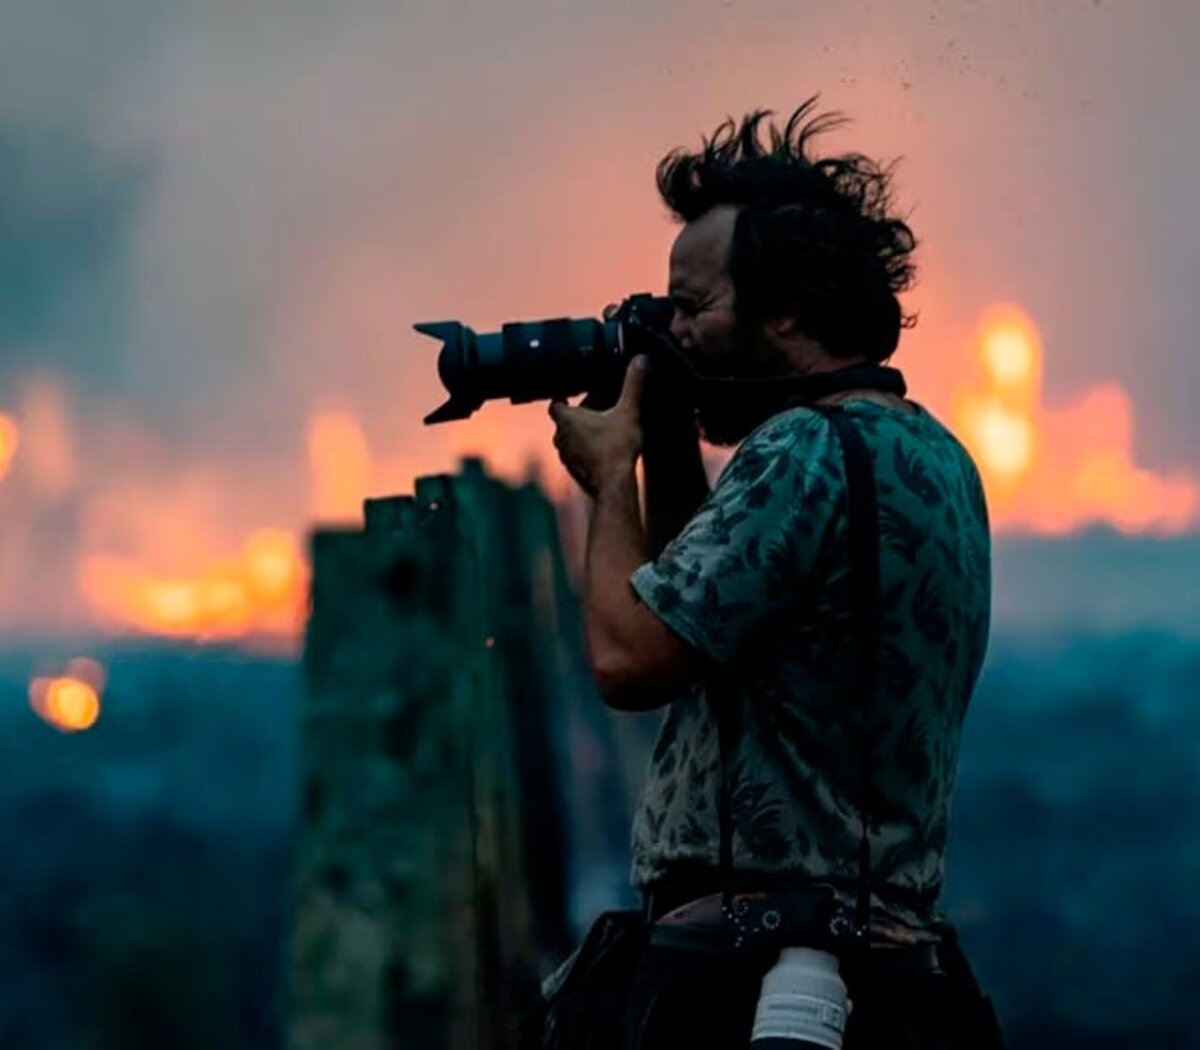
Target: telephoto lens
[(543, 360), (803, 1003)]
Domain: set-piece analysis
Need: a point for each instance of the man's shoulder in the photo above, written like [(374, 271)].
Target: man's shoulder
[(786, 428), (919, 453), (796, 435)]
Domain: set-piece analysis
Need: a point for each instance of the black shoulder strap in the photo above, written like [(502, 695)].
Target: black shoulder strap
[(725, 702), (866, 612)]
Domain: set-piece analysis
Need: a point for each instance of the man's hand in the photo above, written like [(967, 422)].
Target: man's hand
[(600, 448)]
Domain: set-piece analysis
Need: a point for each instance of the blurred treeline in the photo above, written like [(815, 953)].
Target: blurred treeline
[(144, 865)]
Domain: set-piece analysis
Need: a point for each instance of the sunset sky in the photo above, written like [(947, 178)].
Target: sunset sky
[(218, 223)]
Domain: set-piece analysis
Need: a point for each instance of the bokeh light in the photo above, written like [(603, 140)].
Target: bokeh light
[(70, 703)]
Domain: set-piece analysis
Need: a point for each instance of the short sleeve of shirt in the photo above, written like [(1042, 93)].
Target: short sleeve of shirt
[(740, 559)]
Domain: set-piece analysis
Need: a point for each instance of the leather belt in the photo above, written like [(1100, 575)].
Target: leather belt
[(703, 928)]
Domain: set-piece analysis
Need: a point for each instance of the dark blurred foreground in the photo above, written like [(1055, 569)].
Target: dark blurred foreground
[(144, 865)]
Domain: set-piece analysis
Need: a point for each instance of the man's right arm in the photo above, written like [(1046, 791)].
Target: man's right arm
[(735, 566), (675, 480)]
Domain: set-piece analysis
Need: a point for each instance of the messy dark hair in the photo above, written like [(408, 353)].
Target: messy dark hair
[(813, 238)]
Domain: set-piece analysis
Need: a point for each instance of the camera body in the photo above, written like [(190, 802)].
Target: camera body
[(548, 359)]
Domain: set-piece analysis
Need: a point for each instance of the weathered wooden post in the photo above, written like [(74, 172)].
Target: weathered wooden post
[(430, 883)]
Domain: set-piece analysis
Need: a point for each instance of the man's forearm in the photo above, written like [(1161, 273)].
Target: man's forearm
[(676, 483), (638, 661), (616, 545)]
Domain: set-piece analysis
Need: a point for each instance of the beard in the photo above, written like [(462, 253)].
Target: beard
[(726, 411), (723, 426)]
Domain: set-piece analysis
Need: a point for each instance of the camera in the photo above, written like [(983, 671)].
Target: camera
[(562, 357), (545, 360)]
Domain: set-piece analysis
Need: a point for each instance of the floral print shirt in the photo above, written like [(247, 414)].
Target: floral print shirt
[(758, 582)]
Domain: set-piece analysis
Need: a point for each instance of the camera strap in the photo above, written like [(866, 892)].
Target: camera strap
[(866, 615)]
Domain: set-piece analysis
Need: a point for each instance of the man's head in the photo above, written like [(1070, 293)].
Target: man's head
[(787, 263)]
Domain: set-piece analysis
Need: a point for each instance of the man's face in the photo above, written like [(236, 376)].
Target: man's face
[(701, 291), (705, 322)]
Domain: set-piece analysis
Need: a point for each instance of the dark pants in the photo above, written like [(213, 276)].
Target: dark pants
[(690, 999)]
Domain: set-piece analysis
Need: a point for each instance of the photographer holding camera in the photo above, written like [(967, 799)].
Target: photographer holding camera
[(814, 628)]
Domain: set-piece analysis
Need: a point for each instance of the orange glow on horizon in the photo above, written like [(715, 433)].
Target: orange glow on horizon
[(1004, 438), (997, 417), (69, 703), (340, 461), (9, 440), (1052, 469), (273, 569), (262, 591)]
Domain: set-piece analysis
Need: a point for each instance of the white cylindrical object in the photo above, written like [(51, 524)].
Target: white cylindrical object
[(803, 1003)]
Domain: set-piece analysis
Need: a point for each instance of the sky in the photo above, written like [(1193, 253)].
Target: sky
[(219, 222)]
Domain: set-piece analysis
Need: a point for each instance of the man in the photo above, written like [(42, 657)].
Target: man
[(787, 265)]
